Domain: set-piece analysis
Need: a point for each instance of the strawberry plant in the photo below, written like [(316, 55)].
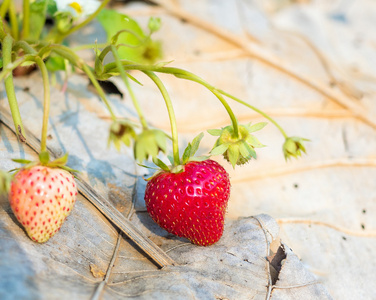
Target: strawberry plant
[(189, 196)]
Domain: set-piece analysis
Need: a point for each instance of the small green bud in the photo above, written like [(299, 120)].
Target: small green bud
[(293, 147), (154, 24)]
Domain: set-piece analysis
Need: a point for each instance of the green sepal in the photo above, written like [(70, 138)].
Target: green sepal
[(199, 158), (192, 148), (215, 132), (160, 164), (59, 162), (186, 154), (66, 168), (222, 148), (149, 143), (148, 167), (233, 155), (256, 127), (44, 157), (246, 151), (21, 161), (254, 142)]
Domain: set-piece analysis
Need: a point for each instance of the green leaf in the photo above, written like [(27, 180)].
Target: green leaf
[(44, 157), (38, 11), (1, 62), (55, 63), (257, 126), (141, 48), (215, 132), (219, 149)]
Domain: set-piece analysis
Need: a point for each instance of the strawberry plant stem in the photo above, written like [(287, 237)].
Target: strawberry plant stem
[(9, 88), (8, 69), (184, 75), (265, 115), (127, 84), (171, 115), (13, 21), (99, 89), (26, 19), (46, 102)]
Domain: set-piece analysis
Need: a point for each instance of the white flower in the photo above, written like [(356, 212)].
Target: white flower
[(78, 8)]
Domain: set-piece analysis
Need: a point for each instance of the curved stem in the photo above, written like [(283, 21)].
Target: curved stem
[(265, 115), (24, 46), (99, 89), (26, 19), (189, 76), (180, 73), (127, 84), (9, 88), (46, 103), (171, 115), (84, 23)]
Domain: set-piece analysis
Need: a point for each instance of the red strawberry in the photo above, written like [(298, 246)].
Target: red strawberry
[(190, 204), (41, 199)]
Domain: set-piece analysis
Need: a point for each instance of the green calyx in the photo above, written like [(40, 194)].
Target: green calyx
[(188, 156), (149, 143), (44, 160), (239, 149), (293, 147), (121, 132)]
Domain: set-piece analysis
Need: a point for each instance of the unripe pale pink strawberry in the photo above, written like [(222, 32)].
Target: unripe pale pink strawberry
[(41, 199), (191, 203)]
